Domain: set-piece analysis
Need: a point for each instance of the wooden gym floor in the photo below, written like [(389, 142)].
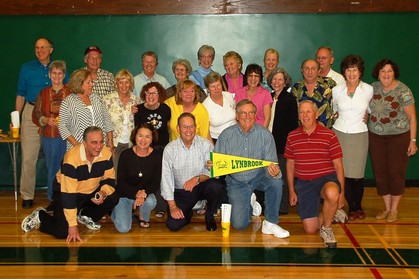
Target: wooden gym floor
[(366, 248)]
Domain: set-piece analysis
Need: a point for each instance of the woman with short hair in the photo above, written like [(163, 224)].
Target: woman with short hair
[(45, 115), (119, 105), (392, 135), (139, 175), (82, 109), (350, 103)]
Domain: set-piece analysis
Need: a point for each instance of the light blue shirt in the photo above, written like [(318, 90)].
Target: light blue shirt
[(198, 76), (258, 143), (181, 163), (141, 80)]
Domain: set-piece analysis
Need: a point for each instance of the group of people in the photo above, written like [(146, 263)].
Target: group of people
[(158, 140)]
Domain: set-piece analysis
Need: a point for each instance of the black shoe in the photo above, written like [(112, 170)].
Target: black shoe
[(27, 204), (211, 224), (51, 206)]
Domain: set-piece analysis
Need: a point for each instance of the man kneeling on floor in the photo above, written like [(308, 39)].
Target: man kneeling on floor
[(251, 140), (315, 173), (87, 185), (185, 178)]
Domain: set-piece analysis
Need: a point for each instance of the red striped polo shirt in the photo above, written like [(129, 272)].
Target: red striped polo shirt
[(313, 154)]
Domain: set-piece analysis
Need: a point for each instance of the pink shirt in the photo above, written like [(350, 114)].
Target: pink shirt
[(231, 87), (261, 98)]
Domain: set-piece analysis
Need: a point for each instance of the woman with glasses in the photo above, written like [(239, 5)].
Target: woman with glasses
[(254, 92), (119, 105), (155, 112), (45, 116)]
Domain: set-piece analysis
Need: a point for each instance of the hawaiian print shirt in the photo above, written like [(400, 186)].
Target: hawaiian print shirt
[(322, 96), (121, 117)]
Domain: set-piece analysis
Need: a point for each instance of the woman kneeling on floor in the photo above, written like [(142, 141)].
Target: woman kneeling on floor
[(139, 173)]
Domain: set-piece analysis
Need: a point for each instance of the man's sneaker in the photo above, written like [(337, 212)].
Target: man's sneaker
[(88, 222), (32, 221), (271, 228), (340, 216), (328, 237), (257, 208)]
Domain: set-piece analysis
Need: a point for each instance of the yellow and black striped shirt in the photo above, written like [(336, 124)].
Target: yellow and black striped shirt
[(79, 176)]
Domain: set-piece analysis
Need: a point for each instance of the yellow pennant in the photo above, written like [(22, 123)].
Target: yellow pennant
[(223, 164)]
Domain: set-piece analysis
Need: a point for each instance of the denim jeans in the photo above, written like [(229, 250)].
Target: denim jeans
[(122, 213), (54, 150), (239, 193)]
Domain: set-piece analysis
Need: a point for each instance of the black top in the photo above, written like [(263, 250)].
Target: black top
[(159, 118), (129, 167), (285, 119)]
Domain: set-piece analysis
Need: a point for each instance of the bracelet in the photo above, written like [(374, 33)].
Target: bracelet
[(414, 140), (199, 178), (173, 207)]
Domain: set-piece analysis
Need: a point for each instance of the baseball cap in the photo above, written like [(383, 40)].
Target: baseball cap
[(92, 48)]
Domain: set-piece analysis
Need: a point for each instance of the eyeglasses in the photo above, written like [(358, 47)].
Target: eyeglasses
[(149, 93), (245, 113), (185, 127), (41, 47)]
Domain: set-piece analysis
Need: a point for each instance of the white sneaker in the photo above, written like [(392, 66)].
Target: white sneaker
[(88, 222), (271, 228), (340, 216), (257, 208), (32, 221), (328, 237)]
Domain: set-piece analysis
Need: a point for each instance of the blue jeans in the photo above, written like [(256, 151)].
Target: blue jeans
[(122, 213), (54, 150), (239, 193)]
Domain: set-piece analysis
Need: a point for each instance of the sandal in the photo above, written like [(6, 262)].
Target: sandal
[(160, 214), (142, 223)]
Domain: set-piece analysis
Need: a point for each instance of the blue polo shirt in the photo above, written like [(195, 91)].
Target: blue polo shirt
[(33, 77)]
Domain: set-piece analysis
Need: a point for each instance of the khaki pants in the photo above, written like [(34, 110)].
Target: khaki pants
[(30, 145)]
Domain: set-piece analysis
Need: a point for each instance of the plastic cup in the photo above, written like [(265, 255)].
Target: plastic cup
[(225, 219), (15, 132), (225, 228), (225, 212)]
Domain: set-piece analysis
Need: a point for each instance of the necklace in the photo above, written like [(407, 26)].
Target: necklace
[(139, 164)]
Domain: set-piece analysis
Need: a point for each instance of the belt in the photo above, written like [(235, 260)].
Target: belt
[(31, 103)]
